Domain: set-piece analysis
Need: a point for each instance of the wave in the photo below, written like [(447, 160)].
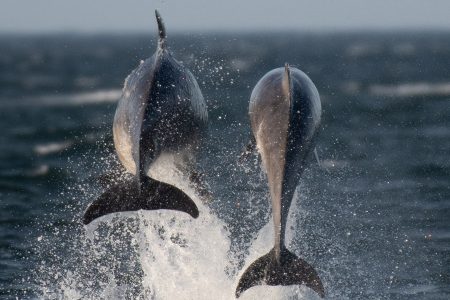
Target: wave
[(23, 173), (50, 148), (411, 89), (73, 99), (99, 96), (38, 171)]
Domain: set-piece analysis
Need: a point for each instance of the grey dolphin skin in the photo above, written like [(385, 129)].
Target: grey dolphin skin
[(161, 111), (285, 114)]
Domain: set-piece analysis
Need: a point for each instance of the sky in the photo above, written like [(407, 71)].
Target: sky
[(222, 15)]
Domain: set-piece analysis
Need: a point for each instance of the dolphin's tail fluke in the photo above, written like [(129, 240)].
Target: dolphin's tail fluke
[(291, 270), (161, 30), (154, 195)]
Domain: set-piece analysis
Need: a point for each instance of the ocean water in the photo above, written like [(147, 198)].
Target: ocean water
[(373, 219)]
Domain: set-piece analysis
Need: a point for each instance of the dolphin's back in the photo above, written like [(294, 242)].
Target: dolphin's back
[(305, 116), (161, 107), (174, 102)]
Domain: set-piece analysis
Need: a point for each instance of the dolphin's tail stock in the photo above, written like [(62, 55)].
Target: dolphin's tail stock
[(291, 270), (154, 195)]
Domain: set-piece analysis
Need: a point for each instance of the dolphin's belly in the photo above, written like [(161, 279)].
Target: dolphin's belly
[(269, 116), (271, 137), (129, 112), (123, 145)]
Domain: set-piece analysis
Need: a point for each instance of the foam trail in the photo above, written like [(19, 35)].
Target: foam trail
[(182, 257)]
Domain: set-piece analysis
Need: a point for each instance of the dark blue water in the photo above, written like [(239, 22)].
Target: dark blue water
[(374, 220)]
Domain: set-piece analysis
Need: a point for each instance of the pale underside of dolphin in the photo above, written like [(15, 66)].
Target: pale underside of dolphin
[(285, 112), (162, 111)]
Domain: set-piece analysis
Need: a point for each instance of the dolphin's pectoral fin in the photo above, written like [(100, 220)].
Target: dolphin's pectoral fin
[(290, 271), (248, 150), (126, 197)]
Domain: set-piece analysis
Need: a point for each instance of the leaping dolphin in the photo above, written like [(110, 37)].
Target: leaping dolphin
[(161, 111), (285, 113)]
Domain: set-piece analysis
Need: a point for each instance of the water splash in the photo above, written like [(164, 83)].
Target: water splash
[(156, 255)]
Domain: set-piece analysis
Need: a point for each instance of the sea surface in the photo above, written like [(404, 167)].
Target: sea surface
[(373, 217)]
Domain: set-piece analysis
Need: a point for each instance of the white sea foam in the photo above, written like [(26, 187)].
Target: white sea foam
[(53, 147), (411, 89), (185, 258), (99, 96), (176, 256), (188, 260), (180, 258), (72, 99)]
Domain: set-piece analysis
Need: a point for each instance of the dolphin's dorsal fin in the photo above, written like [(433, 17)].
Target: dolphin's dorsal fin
[(286, 82), (161, 30)]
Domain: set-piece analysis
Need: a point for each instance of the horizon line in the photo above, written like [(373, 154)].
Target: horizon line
[(229, 31)]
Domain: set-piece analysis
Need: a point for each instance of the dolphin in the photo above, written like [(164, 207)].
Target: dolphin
[(161, 111), (285, 113)]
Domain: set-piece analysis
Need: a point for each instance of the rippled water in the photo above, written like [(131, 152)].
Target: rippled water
[(373, 221)]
